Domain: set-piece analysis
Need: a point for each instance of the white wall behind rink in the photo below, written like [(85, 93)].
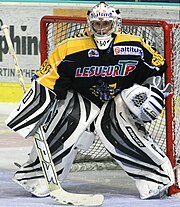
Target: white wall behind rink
[(7, 108)]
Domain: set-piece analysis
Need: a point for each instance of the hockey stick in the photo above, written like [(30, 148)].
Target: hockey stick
[(44, 154)]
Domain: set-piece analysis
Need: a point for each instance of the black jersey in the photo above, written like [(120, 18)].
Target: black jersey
[(99, 75)]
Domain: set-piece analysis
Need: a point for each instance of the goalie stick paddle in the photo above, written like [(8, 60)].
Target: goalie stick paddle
[(44, 154)]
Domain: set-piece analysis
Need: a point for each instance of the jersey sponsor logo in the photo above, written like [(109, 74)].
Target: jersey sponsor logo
[(93, 53), (123, 68), (128, 50)]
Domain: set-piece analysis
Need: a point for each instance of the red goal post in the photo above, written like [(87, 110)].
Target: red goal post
[(165, 37)]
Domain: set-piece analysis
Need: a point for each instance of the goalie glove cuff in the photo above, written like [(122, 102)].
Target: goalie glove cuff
[(156, 83)]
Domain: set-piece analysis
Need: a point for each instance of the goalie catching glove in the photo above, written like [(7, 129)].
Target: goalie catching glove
[(146, 102)]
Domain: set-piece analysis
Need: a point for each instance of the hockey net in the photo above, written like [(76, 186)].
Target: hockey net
[(163, 36)]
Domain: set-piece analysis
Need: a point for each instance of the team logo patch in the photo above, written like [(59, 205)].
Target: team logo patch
[(93, 53), (104, 91), (128, 50)]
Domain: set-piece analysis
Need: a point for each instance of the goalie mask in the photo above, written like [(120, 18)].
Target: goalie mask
[(103, 20)]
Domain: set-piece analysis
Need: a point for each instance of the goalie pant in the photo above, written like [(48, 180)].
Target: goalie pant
[(133, 149)]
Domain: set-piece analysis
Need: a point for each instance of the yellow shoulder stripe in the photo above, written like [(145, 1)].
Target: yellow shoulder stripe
[(127, 38), (74, 45), (157, 59)]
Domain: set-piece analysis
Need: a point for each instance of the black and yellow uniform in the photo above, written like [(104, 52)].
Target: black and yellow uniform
[(99, 74)]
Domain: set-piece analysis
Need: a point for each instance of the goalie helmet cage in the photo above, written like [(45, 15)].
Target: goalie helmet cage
[(163, 36)]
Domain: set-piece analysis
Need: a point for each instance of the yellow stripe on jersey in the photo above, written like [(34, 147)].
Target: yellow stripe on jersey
[(127, 38), (48, 71), (157, 59)]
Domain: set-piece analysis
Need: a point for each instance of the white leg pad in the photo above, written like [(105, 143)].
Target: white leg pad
[(133, 149), (65, 133), (85, 140), (148, 189), (37, 187)]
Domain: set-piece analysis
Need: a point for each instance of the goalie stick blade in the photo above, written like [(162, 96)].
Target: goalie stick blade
[(64, 197)]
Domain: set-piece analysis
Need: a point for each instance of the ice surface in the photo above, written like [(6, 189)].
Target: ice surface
[(12, 195)]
